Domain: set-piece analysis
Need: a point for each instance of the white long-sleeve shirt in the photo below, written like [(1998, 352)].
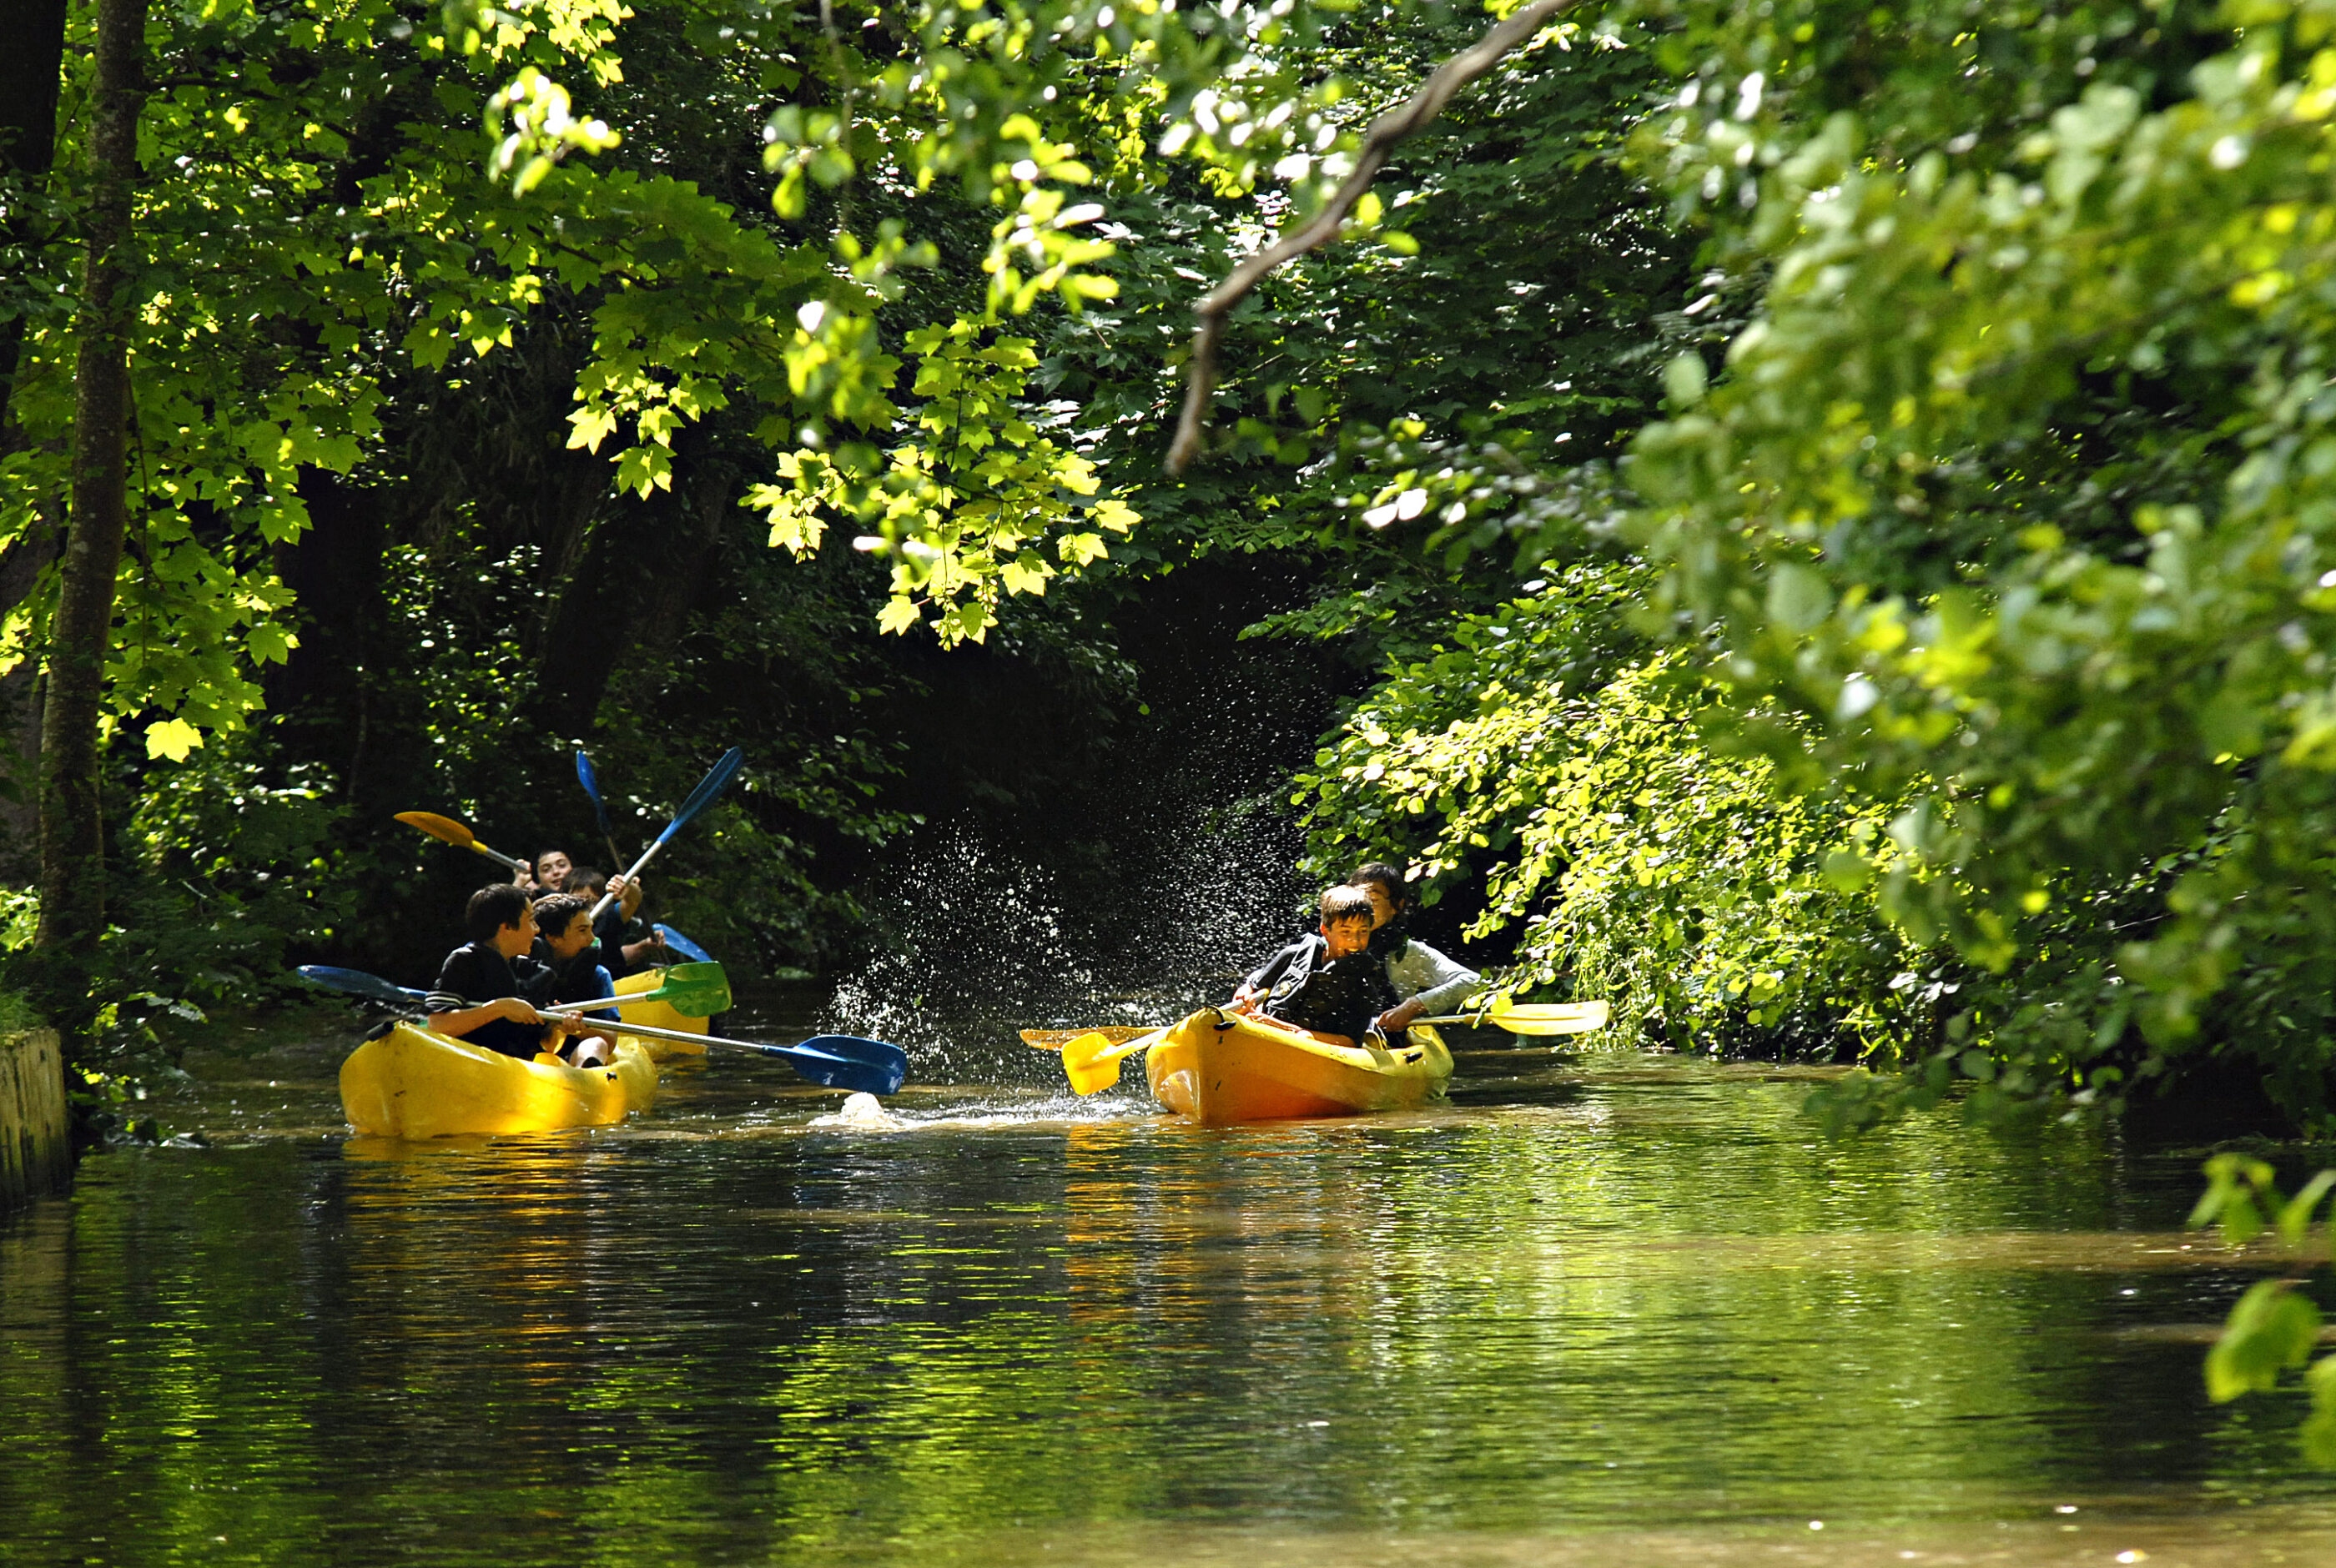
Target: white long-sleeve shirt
[(1422, 973)]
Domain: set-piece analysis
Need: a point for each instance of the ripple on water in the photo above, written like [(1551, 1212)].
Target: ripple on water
[(1600, 1308)]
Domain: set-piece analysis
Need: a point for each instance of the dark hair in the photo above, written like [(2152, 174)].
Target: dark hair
[(1390, 876), (491, 908), (583, 876), (553, 911), (1345, 902)]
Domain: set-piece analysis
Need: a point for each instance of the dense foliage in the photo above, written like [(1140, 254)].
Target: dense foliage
[(1827, 502), (1992, 530)]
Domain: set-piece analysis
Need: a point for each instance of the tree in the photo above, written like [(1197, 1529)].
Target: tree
[(73, 851)]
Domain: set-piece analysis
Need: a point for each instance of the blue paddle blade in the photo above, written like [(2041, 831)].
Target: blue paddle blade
[(717, 778), (831, 1071), (874, 1052), (684, 946), (355, 982), (584, 776)]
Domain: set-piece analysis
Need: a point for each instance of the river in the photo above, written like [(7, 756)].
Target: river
[(1600, 1308)]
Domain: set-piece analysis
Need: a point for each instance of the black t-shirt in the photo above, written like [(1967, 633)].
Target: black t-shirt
[(475, 975), (577, 978), (1302, 986)]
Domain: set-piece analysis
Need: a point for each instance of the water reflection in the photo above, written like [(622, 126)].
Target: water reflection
[(1628, 1308)]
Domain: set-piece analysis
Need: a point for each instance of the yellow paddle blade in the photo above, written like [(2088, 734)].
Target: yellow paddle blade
[(1552, 1018), (1535, 1018), (1091, 1063), (444, 829)]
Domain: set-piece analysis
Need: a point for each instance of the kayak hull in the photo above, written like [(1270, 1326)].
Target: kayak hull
[(1221, 1068), (657, 1015), (412, 1083)]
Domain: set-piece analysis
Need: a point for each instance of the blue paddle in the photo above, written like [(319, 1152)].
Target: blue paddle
[(356, 982), (712, 785), (831, 1061), (584, 776), (684, 946)]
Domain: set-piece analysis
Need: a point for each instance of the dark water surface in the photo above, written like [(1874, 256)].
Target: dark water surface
[(1611, 1309)]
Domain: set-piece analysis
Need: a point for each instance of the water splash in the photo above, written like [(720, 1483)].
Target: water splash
[(989, 940)]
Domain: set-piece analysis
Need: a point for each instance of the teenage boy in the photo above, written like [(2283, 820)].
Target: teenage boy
[(1325, 983), (627, 945), (553, 868), (495, 965), (564, 944)]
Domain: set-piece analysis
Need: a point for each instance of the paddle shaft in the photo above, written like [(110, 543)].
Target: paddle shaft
[(716, 779), (505, 861), (647, 856), (668, 993), (1525, 1023), (792, 1055)]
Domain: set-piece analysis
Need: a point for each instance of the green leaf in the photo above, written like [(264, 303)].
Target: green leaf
[(2273, 1328)]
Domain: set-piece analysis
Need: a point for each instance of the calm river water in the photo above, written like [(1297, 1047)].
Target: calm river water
[(1608, 1309)]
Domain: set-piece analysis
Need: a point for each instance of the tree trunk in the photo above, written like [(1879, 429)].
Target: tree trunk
[(73, 848)]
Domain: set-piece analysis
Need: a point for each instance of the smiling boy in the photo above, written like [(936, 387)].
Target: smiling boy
[(487, 989), (1325, 983)]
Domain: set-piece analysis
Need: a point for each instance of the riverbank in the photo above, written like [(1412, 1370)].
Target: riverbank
[(35, 1134)]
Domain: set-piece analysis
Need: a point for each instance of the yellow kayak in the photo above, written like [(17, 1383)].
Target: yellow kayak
[(413, 1083), (657, 1015), (1219, 1068)]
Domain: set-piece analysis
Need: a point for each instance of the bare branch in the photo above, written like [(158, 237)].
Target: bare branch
[(1390, 128)]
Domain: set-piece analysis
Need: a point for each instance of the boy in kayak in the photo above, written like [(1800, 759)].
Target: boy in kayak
[(628, 944), (1326, 983), (552, 869), (565, 945), (1424, 981), (495, 965)]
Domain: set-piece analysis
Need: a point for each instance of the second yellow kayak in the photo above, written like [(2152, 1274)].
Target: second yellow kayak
[(1219, 1068), (414, 1083)]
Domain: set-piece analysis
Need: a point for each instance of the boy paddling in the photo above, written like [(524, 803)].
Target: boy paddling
[(495, 964), (628, 944), (1328, 983), (1424, 980)]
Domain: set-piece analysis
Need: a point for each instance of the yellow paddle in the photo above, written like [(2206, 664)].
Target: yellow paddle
[(1533, 1017), (446, 830), (1092, 1061), (1539, 1018)]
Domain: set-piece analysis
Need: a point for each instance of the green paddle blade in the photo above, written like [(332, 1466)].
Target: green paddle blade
[(693, 989)]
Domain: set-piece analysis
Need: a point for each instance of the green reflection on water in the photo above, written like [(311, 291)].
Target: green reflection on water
[(1637, 1302)]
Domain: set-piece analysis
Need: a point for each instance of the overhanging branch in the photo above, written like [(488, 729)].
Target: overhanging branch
[(1378, 143)]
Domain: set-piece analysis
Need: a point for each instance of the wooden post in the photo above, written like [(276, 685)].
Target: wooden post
[(36, 1139)]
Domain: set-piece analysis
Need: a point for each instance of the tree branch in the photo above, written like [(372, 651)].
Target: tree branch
[(1390, 128)]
